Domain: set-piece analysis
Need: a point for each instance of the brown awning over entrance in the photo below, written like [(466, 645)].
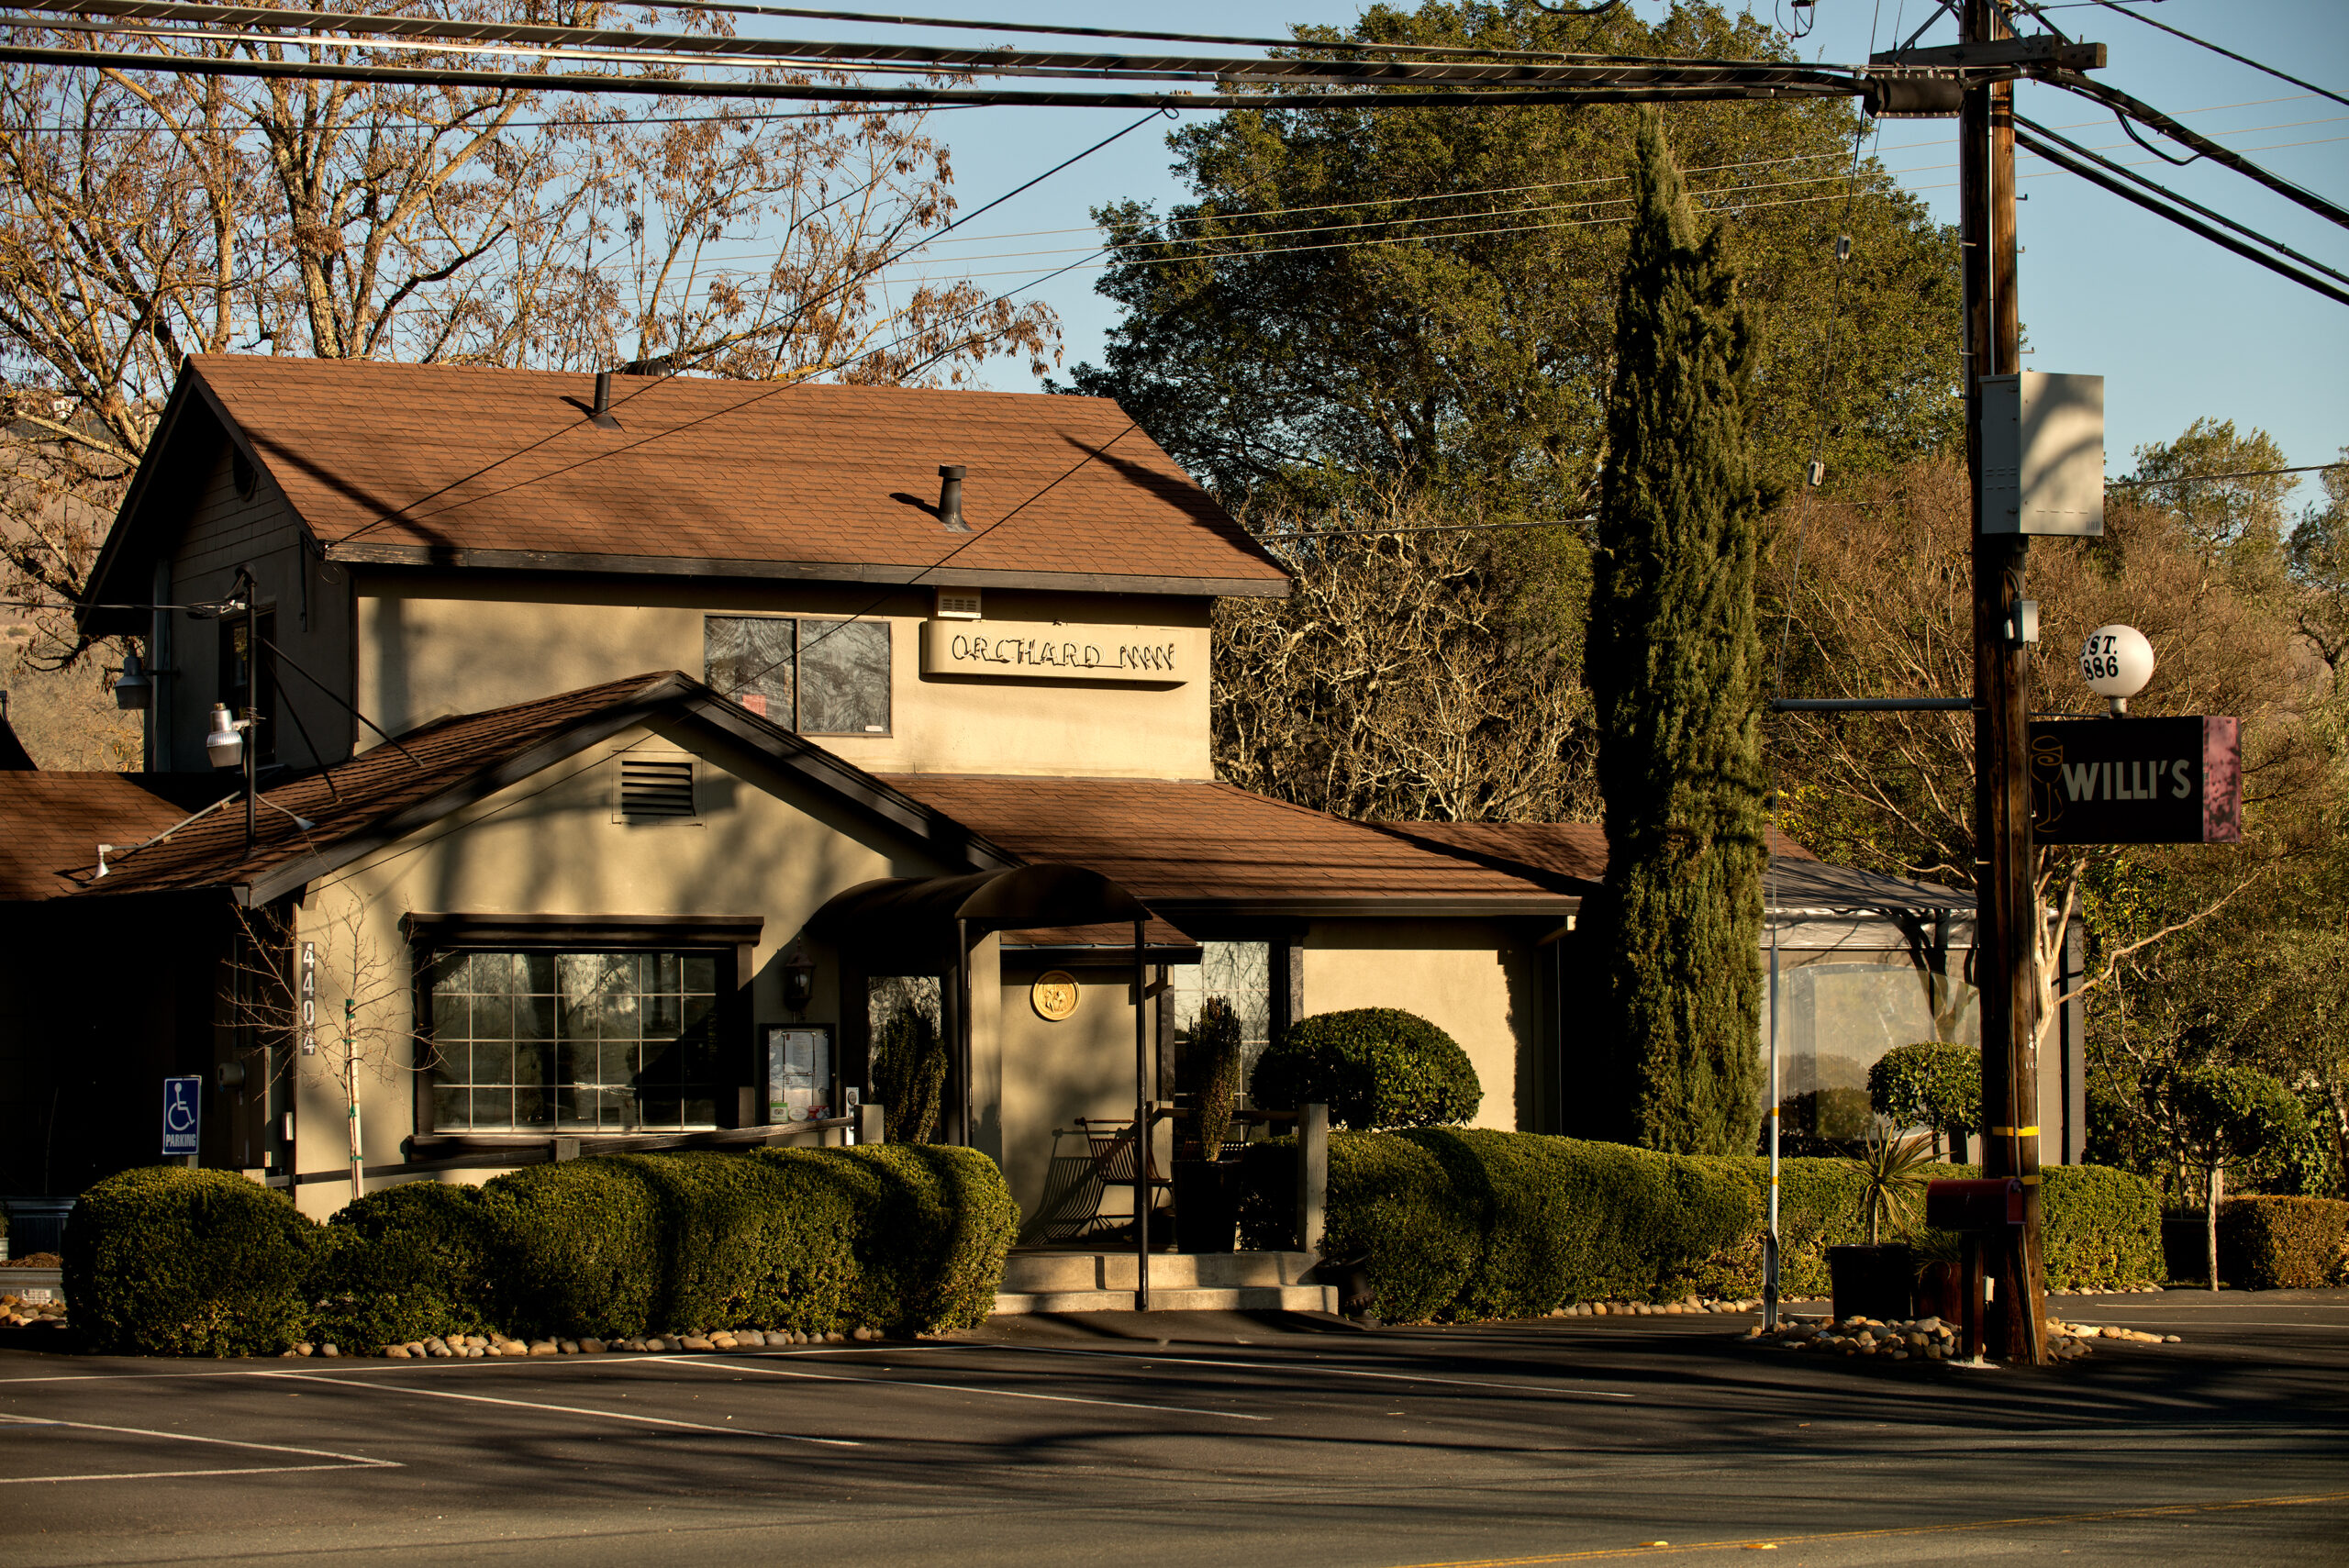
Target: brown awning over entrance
[(913, 920)]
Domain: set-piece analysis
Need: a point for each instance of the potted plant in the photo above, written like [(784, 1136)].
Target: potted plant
[(1878, 1279), (1207, 1211)]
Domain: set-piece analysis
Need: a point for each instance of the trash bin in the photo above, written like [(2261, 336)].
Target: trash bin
[(36, 1224)]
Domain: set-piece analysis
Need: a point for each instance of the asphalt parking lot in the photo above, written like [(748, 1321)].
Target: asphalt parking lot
[(1208, 1439)]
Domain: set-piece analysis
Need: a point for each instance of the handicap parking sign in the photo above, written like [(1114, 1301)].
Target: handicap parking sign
[(182, 1116)]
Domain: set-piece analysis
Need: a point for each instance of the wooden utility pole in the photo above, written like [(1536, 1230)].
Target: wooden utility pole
[(2006, 899)]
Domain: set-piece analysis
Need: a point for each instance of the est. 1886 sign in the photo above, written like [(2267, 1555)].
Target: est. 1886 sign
[(2136, 781)]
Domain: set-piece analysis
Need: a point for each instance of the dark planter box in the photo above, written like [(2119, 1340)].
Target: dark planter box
[(1206, 1206), (1874, 1282)]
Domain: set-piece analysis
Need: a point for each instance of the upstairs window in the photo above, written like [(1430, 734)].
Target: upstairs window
[(819, 677), (248, 678)]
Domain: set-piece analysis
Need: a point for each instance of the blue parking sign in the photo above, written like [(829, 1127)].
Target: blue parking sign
[(182, 1116)]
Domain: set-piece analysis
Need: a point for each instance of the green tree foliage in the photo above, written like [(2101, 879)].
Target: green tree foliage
[(1674, 667), (2231, 1117), (1373, 1067), (1935, 1084), (1211, 1062), (909, 1075), (2236, 522), (1359, 295)]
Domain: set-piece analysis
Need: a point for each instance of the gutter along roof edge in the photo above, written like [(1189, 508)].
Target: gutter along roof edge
[(944, 576)]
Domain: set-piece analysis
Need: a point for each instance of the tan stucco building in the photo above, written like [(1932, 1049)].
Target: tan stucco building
[(583, 743)]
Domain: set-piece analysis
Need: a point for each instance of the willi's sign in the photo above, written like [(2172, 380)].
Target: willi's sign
[(2136, 781)]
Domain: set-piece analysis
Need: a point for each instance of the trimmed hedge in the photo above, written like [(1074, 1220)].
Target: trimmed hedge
[(1477, 1224), (1373, 1067), (906, 1237), (167, 1260), (2283, 1243)]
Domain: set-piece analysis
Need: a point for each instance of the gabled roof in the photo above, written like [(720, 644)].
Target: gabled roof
[(52, 823), (1196, 847), (316, 824), (439, 465)]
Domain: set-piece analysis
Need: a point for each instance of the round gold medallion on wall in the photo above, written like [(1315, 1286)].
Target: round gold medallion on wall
[(1053, 996)]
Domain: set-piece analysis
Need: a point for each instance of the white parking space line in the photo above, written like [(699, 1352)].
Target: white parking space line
[(564, 1409), (353, 1365), (344, 1460), (1315, 1369), (958, 1388), (171, 1474)]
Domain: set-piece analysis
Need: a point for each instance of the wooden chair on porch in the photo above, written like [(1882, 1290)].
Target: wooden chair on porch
[(1079, 1185)]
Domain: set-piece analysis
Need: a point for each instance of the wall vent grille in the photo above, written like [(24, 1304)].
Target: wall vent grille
[(655, 791)]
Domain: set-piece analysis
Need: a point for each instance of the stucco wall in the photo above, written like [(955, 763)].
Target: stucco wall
[(1053, 1073), (1475, 980), (764, 845), (432, 645)]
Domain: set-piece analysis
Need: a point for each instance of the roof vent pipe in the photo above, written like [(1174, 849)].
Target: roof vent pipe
[(601, 415), (949, 497)]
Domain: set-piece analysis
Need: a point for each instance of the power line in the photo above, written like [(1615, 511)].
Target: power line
[(2246, 473), (2230, 54), (767, 327), (2182, 201), (2182, 218), (2129, 108)]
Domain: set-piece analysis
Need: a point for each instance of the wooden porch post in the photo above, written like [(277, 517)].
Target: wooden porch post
[(1141, 1124)]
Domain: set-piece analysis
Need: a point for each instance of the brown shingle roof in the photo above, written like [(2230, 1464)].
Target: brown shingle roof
[(386, 461), (1576, 849), (370, 796), (1187, 844), (52, 823)]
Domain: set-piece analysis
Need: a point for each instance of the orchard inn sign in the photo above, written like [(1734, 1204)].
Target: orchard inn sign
[(1028, 651)]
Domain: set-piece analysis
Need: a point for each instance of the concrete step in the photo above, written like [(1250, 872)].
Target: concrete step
[(1060, 1269), (1243, 1298)]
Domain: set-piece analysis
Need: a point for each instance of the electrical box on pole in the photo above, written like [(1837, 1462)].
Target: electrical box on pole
[(2042, 455)]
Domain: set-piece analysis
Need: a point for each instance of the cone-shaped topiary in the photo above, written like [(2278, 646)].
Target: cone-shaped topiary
[(1673, 937), (1373, 1067)]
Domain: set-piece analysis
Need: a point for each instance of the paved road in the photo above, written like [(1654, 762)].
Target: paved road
[(1212, 1440)]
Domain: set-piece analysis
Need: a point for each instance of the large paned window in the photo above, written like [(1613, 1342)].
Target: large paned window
[(609, 1042), (819, 677), (1836, 1020)]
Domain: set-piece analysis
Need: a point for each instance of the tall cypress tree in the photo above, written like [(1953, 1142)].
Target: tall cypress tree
[(1675, 662)]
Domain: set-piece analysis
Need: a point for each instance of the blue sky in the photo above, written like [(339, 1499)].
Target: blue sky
[(2178, 328)]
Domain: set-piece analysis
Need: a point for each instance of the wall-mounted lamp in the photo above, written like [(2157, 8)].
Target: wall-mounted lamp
[(798, 980), (133, 689)]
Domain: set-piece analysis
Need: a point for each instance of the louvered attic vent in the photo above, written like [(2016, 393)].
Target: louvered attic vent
[(655, 791)]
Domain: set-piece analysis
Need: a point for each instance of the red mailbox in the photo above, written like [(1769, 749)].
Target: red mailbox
[(1974, 1205)]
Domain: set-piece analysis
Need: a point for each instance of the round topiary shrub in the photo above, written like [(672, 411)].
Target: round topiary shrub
[(1374, 1067), (408, 1262), (171, 1261)]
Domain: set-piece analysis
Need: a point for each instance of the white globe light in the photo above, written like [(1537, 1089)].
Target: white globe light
[(2116, 662)]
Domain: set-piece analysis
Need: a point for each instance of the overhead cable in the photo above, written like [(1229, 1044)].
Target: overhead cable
[(2183, 219), (2230, 54), (2169, 194), (2186, 136)]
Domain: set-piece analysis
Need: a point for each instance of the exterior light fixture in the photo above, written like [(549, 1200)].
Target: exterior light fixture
[(798, 979), (2117, 661), (225, 745), (134, 687)]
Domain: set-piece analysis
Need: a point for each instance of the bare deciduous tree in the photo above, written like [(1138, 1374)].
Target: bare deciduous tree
[(145, 216), (350, 1001), (1404, 678)]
